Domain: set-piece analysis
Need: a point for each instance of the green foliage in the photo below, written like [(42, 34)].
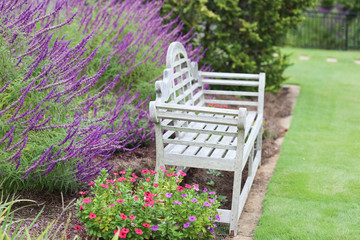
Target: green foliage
[(146, 209), (240, 36)]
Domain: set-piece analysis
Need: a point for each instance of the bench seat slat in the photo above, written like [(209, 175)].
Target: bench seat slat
[(200, 109)]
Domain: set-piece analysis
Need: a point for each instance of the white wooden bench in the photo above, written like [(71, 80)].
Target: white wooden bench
[(189, 133)]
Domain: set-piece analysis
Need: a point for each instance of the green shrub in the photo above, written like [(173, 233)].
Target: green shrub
[(240, 36)]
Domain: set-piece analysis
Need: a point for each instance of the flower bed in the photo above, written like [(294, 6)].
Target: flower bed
[(147, 209)]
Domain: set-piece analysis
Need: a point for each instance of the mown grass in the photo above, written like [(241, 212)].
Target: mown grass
[(315, 190)]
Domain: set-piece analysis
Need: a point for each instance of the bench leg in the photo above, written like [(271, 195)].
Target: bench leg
[(235, 203), (159, 151), (259, 144)]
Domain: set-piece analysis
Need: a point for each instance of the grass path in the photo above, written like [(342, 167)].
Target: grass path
[(315, 190)]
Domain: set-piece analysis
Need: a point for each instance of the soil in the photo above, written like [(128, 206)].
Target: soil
[(58, 206)]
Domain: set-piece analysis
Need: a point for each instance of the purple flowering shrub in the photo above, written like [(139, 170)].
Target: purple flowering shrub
[(63, 110), (147, 209)]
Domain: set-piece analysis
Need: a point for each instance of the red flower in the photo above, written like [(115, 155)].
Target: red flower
[(146, 225), (145, 171), (138, 231), (92, 215), (81, 207), (77, 227)]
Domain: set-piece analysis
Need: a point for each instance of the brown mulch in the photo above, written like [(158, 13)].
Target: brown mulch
[(276, 106)]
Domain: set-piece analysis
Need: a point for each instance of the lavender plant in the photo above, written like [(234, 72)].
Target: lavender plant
[(63, 111)]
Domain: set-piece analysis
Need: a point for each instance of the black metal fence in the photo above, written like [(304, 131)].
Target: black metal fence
[(327, 30)]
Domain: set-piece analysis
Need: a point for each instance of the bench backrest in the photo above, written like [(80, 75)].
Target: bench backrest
[(180, 84)]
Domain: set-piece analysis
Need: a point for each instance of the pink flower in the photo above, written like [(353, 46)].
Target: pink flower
[(145, 171), (132, 217), (122, 172), (138, 231), (148, 179), (112, 205), (162, 167), (92, 215), (146, 225), (91, 183), (211, 104), (182, 173), (136, 198), (121, 179), (105, 186), (109, 181), (152, 172), (81, 207), (120, 200), (169, 174), (123, 216), (187, 186), (147, 204), (77, 227), (134, 175), (156, 185), (115, 173), (180, 188), (82, 193), (132, 179), (86, 200)]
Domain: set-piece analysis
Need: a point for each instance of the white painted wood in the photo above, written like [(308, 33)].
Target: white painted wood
[(230, 82), (189, 134), (196, 118), (230, 112), (233, 93), (225, 215), (229, 75), (199, 162), (228, 102)]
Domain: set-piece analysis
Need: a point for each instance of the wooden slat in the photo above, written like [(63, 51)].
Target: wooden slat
[(170, 106), (201, 131), (225, 215), (206, 151), (200, 144), (177, 149), (199, 162), (180, 61), (232, 93), (229, 75), (230, 82), (229, 102), (196, 118)]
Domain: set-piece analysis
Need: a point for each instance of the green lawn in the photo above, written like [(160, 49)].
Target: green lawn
[(315, 190)]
